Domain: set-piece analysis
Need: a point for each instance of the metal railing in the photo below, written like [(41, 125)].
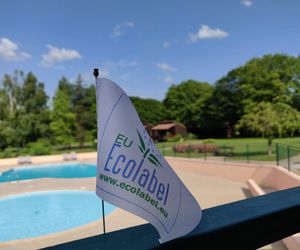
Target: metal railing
[(248, 152), (288, 156), (247, 224)]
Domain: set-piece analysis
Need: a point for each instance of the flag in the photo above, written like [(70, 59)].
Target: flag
[(131, 172)]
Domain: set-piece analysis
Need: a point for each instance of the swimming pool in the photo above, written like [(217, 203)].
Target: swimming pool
[(65, 170), (40, 213)]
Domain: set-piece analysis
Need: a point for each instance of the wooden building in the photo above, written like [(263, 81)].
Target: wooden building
[(148, 127), (167, 129)]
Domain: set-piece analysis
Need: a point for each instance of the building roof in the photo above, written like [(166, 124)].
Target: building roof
[(165, 126)]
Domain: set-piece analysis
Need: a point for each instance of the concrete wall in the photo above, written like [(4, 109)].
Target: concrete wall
[(258, 178), (266, 176)]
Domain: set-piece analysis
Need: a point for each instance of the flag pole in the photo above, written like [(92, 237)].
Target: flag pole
[(96, 74)]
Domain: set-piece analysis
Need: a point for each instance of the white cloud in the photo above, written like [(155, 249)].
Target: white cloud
[(166, 44), (125, 76), (119, 29), (121, 64), (58, 55), (10, 51), (104, 73), (168, 79), (122, 69), (165, 67), (205, 32), (247, 3)]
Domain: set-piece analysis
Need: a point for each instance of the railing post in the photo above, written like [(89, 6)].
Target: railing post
[(288, 157), (277, 154), (266, 223), (163, 149), (205, 153), (174, 147), (247, 148), (224, 151), (188, 151)]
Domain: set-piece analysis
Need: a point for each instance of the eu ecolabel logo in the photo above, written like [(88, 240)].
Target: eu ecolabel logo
[(138, 176)]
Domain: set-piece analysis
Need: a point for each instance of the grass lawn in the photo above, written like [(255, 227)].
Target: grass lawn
[(245, 149)]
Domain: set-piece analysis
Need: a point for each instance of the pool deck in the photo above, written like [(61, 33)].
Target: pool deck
[(208, 190)]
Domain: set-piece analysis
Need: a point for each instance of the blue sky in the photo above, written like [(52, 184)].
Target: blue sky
[(144, 46)]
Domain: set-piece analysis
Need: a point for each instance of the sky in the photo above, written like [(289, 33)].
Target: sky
[(144, 46)]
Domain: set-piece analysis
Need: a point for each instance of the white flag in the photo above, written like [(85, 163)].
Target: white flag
[(131, 172)]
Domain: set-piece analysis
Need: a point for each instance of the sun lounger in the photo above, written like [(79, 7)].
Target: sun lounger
[(24, 160), (21, 160), (66, 157), (28, 159), (73, 156)]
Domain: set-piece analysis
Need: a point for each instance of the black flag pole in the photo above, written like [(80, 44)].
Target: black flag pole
[(96, 74), (103, 216)]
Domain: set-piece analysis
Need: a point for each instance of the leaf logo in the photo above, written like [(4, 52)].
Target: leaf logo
[(146, 152)]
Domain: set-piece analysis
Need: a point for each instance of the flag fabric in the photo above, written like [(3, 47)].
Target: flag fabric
[(131, 172)]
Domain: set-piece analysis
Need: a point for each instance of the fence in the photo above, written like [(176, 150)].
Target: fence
[(287, 156), (245, 224), (224, 152)]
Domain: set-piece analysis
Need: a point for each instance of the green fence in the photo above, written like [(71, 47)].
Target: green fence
[(288, 157), (251, 152)]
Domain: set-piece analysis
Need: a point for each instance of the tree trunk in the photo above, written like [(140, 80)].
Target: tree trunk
[(270, 146)]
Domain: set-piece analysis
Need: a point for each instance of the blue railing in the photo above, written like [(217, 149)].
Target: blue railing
[(245, 224)]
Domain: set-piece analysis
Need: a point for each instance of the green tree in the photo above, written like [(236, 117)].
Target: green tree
[(24, 108), (272, 78), (10, 102), (296, 100), (83, 101), (34, 110), (186, 103), (6, 134), (150, 110), (66, 86), (4, 107), (92, 112), (269, 120), (63, 120)]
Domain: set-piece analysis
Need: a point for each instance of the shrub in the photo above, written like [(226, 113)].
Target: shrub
[(175, 138), (181, 148), (191, 136), (201, 148), (208, 141), (40, 147), (8, 152)]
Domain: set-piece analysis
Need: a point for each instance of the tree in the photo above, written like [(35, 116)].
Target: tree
[(296, 100), (6, 135), (23, 109), (66, 86), (34, 110), (150, 110), (4, 107), (186, 103), (269, 120), (92, 112), (63, 120), (83, 101), (272, 78)]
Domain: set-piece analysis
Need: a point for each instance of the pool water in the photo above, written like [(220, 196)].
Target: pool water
[(40, 213), (69, 170)]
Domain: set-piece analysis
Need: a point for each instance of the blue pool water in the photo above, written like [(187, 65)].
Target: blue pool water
[(69, 170), (39, 213)]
